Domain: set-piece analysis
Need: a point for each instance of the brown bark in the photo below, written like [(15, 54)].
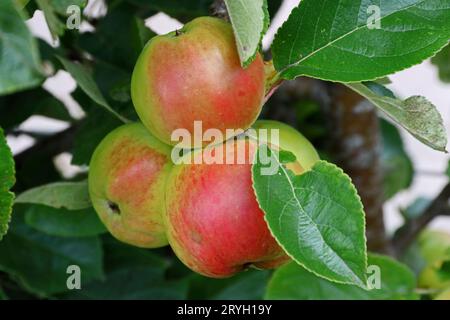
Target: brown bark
[(406, 235), (355, 143)]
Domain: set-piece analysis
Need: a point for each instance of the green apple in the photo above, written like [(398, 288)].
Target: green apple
[(194, 75)]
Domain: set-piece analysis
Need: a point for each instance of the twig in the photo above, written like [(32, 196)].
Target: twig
[(405, 236)]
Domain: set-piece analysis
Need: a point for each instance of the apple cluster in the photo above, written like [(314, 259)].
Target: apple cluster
[(208, 213)]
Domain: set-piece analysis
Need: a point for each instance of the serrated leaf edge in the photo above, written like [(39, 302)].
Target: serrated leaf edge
[(266, 22), (8, 187), (355, 193)]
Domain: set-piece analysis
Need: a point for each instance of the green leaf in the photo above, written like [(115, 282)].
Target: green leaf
[(18, 107), (19, 59), (63, 222), (56, 26), (250, 20), (378, 88), (21, 3), (444, 270), (120, 49), (114, 83), (248, 285), (91, 132), (140, 34), (131, 273), (3, 295), (384, 81), (413, 259), (286, 157), (49, 54), (132, 283), (60, 6), (39, 262), (442, 61), (88, 85), (398, 169), (292, 282), (69, 195), (317, 218), (416, 114), (110, 79), (7, 181), (331, 40)]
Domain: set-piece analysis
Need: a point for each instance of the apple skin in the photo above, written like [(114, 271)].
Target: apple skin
[(214, 222), (194, 74), (127, 176)]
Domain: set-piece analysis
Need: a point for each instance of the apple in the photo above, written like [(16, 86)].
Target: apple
[(127, 176), (434, 247), (194, 74), (291, 140), (214, 223)]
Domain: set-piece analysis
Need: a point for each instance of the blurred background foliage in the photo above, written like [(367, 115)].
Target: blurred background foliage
[(43, 241)]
